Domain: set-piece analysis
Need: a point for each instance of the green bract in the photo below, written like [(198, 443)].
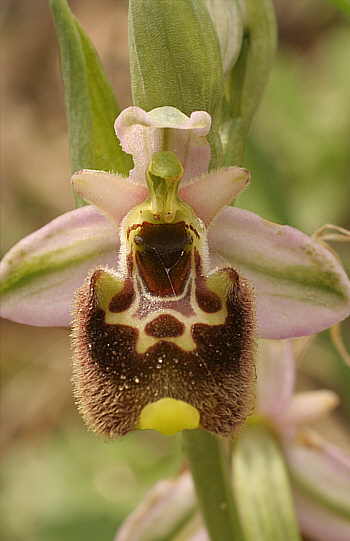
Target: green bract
[(228, 21), (247, 79), (90, 101), (175, 60)]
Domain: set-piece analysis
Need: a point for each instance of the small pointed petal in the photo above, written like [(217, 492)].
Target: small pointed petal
[(321, 477), (104, 191), (40, 273), (165, 128), (301, 288), (275, 378), (209, 194), (307, 407)]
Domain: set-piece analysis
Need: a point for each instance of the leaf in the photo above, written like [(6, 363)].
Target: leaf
[(262, 488), (90, 101)]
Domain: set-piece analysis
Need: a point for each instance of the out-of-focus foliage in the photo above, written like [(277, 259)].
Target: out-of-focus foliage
[(297, 150), (58, 480)]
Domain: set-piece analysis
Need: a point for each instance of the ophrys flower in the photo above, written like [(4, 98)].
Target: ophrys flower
[(164, 295)]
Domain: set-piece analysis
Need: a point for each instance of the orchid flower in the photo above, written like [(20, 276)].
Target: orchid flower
[(318, 471), (161, 288)]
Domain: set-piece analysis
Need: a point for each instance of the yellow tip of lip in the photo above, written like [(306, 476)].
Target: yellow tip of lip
[(169, 416)]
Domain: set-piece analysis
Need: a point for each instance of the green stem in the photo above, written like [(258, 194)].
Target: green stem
[(210, 470)]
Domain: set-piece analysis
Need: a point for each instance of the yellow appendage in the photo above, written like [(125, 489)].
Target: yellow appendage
[(168, 416)]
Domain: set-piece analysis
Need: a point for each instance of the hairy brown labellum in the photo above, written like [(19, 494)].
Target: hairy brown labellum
[(162, 326)]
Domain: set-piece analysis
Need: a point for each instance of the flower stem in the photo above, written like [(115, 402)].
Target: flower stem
[(210, 470)]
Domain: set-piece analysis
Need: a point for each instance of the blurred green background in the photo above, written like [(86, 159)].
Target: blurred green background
[(58, 481)]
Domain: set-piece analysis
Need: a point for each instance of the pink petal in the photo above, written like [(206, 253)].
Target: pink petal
[(309, 406), (319, 523), (321, 476), (301, 288), (112, 194), (200, 535), (209, 194), (275, 378), (164, 509), (165, 128), (41, 272)]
